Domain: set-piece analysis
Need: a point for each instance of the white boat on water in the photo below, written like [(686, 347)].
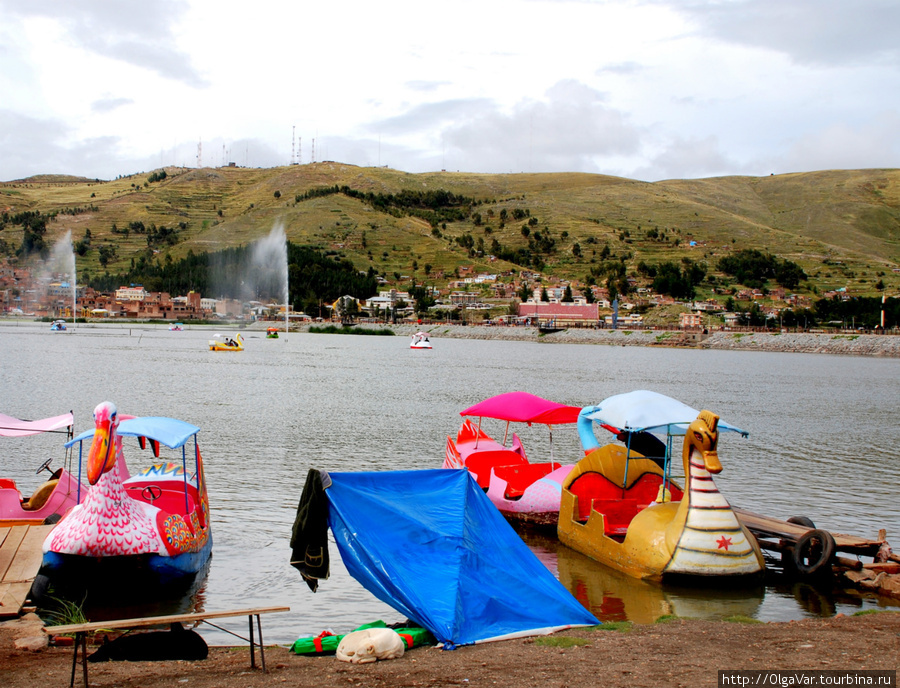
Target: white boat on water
[(420, 341)]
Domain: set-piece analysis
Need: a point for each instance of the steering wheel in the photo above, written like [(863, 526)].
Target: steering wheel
[(151, 493), (44, 466)]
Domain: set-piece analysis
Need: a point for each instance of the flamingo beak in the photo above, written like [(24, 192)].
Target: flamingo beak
[(102, 455)]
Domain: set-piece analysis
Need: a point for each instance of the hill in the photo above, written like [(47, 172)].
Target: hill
[(842, 227)]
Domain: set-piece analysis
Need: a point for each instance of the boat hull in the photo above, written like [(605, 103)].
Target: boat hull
[(78, 571)]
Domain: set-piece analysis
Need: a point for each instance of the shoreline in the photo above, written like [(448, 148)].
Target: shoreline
[(884, 346), (846, 344)]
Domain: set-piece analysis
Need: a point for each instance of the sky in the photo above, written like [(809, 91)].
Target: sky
[(644, 89)]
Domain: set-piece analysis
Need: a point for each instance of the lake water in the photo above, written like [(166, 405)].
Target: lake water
[(823, 437)]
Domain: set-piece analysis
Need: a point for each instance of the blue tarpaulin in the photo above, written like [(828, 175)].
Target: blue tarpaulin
[(431, 545)]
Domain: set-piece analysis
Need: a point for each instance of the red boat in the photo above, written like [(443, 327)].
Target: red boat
[(522, 491)]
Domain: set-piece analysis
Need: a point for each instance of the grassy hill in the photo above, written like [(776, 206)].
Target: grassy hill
[(842, 227)]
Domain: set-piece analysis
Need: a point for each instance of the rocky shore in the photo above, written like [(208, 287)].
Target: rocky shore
[(800, 342)]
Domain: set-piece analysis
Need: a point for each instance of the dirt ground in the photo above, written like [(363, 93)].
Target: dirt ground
[(666, 654)]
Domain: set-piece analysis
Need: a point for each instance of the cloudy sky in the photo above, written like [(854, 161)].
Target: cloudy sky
[(646, 89)]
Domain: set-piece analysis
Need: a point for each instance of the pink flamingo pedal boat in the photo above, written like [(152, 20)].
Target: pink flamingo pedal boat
[(52, 498), (523, 491), (153, 526)]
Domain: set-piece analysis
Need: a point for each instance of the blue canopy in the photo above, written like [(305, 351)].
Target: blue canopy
[(168, 431), (647, 411), (431, 545)]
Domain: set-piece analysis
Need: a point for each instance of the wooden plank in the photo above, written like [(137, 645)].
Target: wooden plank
[(159, 620), (20, 559), (10, 546), (767, 526), (29, 556)]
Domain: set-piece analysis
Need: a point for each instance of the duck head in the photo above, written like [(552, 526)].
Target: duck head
[(703, 435), (102, 455)]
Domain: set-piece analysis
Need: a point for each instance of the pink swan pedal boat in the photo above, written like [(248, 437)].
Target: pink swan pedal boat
[(53, 497), (153, 526), (524, 492)]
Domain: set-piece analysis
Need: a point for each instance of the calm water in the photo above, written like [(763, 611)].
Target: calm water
[(823, 438)]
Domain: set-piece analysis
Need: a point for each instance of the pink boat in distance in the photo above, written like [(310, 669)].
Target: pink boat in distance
[(524, 492), (54, 497)]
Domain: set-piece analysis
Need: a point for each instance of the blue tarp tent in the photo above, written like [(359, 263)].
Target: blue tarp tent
[(431, 545)]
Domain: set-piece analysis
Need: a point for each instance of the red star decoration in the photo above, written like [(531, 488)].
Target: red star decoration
[(723, 543)]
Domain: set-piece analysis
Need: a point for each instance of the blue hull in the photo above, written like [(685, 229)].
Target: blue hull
[(139, 570)]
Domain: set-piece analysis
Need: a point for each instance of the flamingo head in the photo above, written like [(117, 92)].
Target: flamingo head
[(102, 455)]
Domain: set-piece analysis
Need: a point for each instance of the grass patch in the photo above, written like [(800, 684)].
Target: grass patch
[(667, 618), (625, 333), (664, 336), (561, 641), (849, 337), (63, 612), (865, 612), (621, 626), (334, 329), (738, 336), (740, 618)]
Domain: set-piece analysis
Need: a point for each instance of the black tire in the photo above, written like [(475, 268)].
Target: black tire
[(802, 521), (39, 587), (813, 552), (51, 519)]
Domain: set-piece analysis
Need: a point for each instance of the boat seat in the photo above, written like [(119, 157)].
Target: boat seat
[(8, 484), (40, 496), (481, 463), (617, 514), (520, 477)]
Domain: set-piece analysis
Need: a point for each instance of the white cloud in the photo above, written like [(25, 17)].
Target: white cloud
[(642, 88)]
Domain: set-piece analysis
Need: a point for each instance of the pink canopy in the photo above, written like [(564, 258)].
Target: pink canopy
[(13, 427), (522, 407)]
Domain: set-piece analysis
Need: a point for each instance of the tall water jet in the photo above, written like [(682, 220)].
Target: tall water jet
[(60, 266), (269, 266)]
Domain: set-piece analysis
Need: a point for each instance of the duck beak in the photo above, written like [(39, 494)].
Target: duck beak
[(711, 461), (101, 456)]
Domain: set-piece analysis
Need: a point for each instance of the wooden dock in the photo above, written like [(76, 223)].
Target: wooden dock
[(812, 551), (20, 560)]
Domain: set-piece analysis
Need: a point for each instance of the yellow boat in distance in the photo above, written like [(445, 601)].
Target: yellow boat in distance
[(621, 507), (225, 343)]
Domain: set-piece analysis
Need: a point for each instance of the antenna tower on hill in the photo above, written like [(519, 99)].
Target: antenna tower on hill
[(313, 159), (293, 144), (200, 153)]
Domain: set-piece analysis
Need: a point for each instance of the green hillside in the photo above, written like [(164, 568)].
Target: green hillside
[(841, 227)]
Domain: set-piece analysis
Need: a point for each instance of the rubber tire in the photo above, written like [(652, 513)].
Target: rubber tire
[(811, 558), (802, 521)]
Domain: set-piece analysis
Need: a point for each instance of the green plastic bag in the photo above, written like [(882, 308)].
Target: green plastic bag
[(327, 642)]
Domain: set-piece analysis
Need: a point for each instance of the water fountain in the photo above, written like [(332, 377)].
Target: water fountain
[(269, 267), (59, 264)]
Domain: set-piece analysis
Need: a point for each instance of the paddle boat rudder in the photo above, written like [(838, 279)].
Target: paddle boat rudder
[(523, 491), (621, 507), (152, 527), (54, 497)]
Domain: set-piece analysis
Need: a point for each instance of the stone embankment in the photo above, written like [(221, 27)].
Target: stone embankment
[(800, 342)]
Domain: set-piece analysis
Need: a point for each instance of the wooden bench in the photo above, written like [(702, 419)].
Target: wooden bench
[(81, 631)]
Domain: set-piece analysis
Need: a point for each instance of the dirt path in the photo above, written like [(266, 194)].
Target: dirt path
[(670, 654)]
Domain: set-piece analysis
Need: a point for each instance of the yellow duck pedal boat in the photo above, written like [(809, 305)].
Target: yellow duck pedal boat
[(621, 508)]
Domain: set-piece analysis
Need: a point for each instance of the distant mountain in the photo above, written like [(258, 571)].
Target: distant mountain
[(842, 227)]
